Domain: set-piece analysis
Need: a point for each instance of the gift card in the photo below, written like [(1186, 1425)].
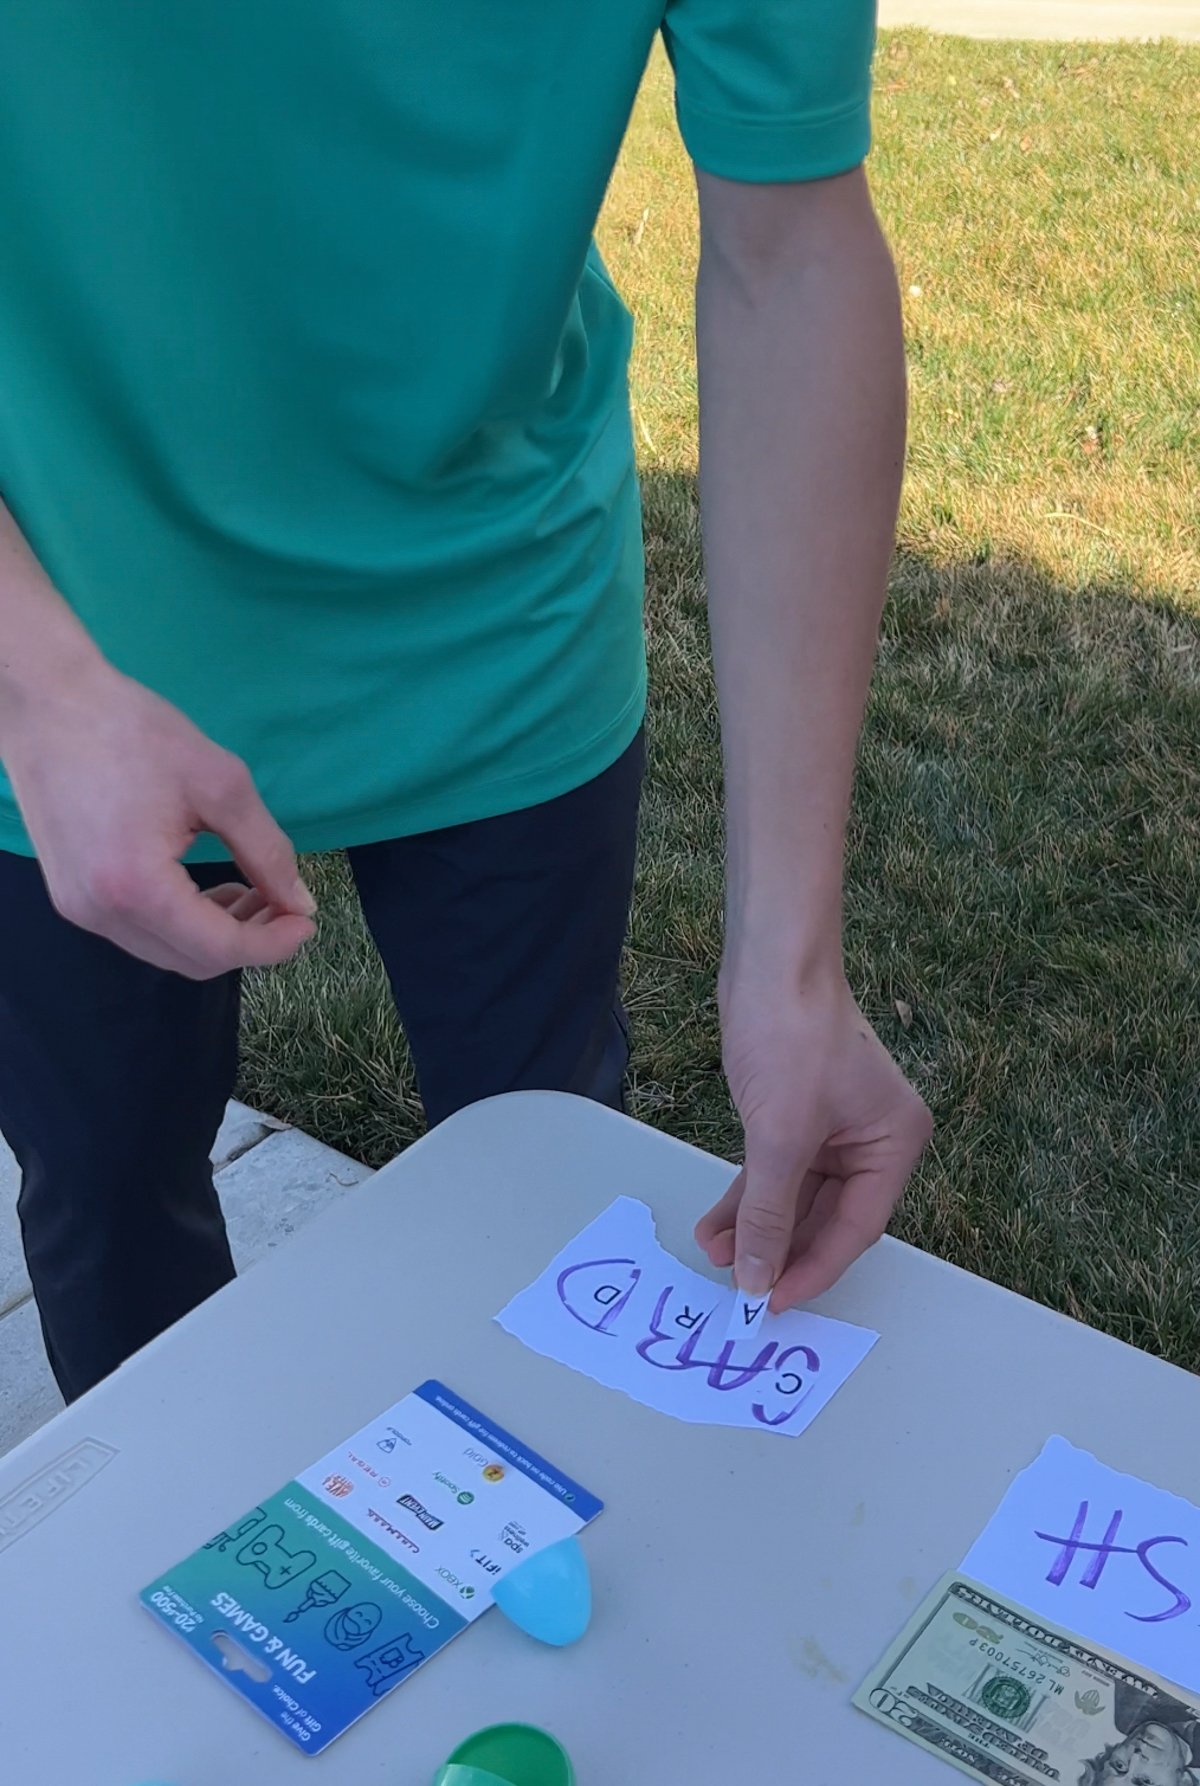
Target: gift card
[(334, 1590)]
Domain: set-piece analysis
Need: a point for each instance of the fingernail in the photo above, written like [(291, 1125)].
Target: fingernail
[(754, 1277), (304, 900)]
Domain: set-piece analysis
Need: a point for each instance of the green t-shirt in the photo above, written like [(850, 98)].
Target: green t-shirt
[(313, 387)]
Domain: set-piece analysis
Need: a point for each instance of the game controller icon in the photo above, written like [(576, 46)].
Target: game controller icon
[(276, 1565), (223, 1540)]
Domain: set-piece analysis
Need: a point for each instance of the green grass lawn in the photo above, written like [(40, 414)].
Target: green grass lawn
[(1025, 862)]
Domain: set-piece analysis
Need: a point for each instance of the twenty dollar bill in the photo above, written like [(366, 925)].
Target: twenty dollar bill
[(1010, 1699)]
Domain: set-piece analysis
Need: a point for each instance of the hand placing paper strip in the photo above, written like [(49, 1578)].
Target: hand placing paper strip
[(616, 1306)]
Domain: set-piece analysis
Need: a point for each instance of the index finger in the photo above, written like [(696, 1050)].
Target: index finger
[(716, 1232), (860, 1218), (766, 1220), (779, 1159), (204, 937), (720, 1220), (261, 847)]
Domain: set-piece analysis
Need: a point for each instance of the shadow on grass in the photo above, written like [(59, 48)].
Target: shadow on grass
[(1024, 879)]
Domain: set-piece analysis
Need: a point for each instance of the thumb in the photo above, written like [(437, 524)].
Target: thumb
[(258, 845), (775, 1173)]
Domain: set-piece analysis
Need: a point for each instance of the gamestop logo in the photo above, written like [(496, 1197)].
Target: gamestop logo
[(411, 1505)]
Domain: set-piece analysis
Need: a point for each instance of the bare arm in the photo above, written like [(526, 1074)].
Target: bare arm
[(802, 394), (802, 443), (114, 784), (40, 639)]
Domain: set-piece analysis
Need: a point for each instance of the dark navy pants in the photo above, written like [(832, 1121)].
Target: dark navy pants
[(502, 942)]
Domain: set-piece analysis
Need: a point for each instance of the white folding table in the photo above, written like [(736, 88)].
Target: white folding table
[(744, 1582)]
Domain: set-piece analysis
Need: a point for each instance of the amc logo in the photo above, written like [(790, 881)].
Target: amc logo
[(338, 1486)]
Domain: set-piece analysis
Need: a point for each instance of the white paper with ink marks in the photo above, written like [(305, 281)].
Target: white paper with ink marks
[(1105, 1555), (616, 1306)]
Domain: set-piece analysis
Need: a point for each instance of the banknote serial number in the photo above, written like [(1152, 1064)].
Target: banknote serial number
[(1037, 1676)]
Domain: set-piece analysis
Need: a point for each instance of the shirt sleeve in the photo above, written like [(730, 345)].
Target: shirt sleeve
[(773, 89)]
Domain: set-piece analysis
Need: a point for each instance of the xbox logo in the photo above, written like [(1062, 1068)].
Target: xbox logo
[(463, 1589)]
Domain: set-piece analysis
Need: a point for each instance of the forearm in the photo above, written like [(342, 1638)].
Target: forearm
[(43, 647), (802, 444)]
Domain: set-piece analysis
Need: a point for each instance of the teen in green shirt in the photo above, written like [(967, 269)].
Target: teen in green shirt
[(322, 532)]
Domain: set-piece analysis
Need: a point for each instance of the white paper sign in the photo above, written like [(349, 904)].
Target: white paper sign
[(1105, 1555), (616, 1306)]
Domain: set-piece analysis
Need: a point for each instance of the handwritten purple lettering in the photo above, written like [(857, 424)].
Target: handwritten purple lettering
[(1099, 1553), (599, 1288), (722, 1373), (790, 1385), (661, 1349), (597, 1292)]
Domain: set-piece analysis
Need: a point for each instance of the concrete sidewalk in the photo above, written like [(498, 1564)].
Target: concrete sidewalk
[(1055, 19), (271, 1179)]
